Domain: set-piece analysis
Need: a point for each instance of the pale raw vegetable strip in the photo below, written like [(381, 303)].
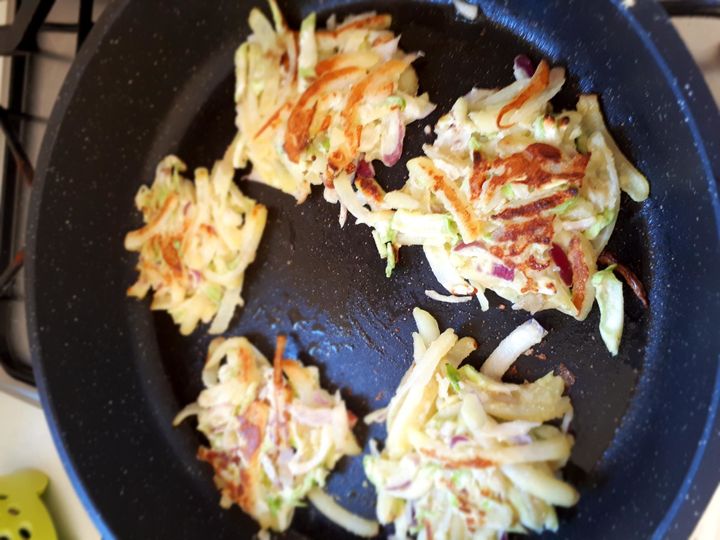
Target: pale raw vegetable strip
[(413, 227), (400, 200), (608, 290), (540, 401), (448, 299), (632, 181), (466, 10), (541, 484), (445, 272), (231, 299), (421, 392), (378, 415), (554, 449), (598, 146), (353, 523), (427, 326), (307, 59), (460, 351), (516, 343)]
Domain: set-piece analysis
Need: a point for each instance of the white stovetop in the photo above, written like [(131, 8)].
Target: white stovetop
[(25, 439)]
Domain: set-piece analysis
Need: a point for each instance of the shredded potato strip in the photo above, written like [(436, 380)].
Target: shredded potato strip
[(538, 83), (297, 134), (278, 387)]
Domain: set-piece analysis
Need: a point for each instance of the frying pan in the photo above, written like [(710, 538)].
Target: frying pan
[(156, 77)]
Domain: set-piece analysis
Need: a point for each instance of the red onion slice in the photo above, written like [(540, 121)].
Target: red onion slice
[(457, 439), (401, 486), (196, 277), (503, 272), (563, 263), (251, 436), (321, 399), (365, 169), (461, 246), (522, 439), (396, 129), (523, 67)]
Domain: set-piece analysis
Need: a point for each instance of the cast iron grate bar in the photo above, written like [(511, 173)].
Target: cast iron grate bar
[(692, 8), (18, 41)]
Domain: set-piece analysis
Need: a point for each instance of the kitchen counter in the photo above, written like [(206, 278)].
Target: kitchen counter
[(25, 441)]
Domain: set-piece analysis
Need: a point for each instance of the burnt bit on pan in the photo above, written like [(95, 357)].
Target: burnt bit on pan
[(628, 275), (565, 374)]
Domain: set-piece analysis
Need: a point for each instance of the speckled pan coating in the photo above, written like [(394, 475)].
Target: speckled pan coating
[(156, 77)]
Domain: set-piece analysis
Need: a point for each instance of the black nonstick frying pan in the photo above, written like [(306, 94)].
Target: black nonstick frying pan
[(156, 77)]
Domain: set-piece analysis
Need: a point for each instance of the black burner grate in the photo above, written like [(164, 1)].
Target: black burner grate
[(18, 41)]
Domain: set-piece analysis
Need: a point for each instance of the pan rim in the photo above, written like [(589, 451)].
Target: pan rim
[(650, 23), (67, 91)]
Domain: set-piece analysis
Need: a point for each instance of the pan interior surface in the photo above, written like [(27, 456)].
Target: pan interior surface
[(113, 375)]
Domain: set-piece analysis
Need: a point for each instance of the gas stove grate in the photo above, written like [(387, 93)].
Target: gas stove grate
[(18, 41)]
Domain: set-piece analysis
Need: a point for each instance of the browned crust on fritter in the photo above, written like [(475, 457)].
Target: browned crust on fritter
[(538, 230), (628, 275), (535, 208), (374, 83), (451, 463), (452, 198), (581, 272), (245, 492), (370, 189), (538, 83), (298, 125), (537, 165), (479, 174)]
